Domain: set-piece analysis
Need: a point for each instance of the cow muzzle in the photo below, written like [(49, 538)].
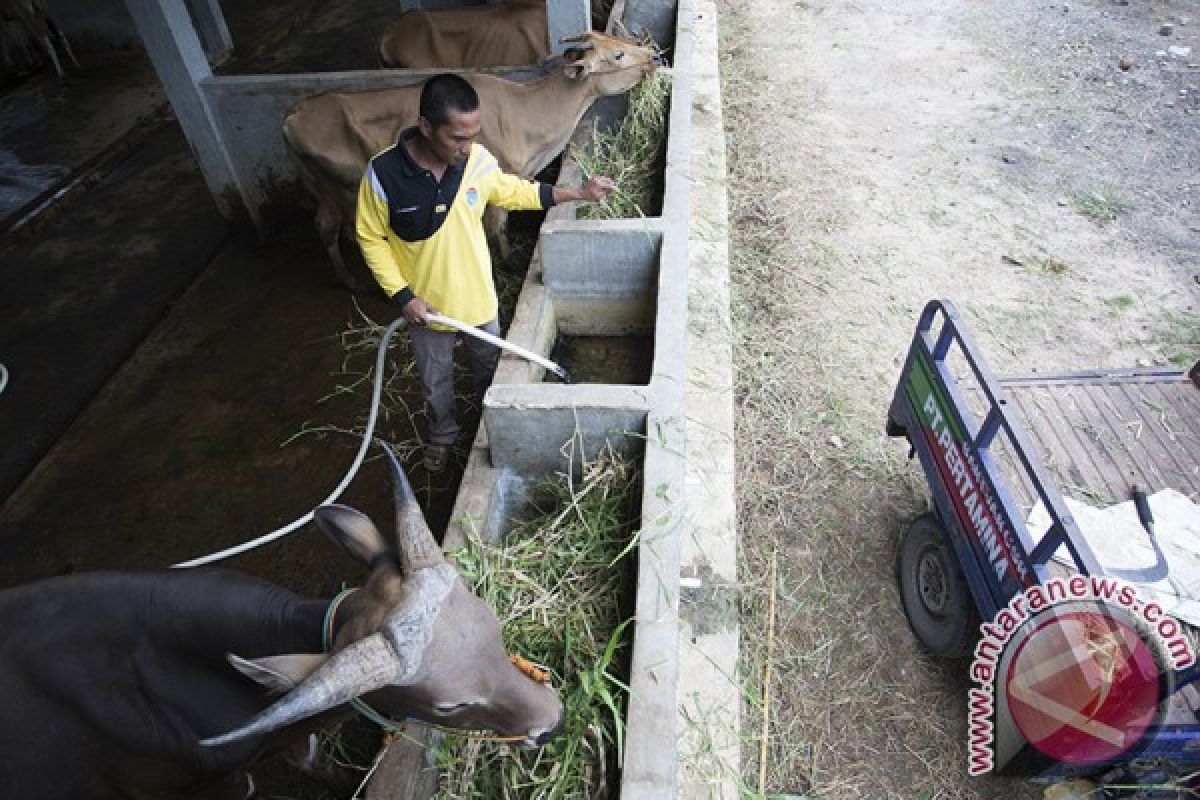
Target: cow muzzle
[(545, 737)]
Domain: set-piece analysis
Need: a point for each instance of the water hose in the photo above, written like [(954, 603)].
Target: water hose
[(372, 417), (354, 467)]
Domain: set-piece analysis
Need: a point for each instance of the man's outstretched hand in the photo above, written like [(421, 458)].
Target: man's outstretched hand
[(597, 188), (593, 189)]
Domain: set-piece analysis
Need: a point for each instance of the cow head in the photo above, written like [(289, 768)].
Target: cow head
[(413, 642), (612, 64)]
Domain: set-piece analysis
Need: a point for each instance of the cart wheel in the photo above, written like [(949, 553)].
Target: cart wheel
[(934, 592)]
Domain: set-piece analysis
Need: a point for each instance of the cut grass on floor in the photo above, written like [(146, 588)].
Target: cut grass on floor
[(632, 155), (559, 584)]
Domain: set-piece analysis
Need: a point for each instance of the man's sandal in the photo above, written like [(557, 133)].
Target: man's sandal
[(436, 457)]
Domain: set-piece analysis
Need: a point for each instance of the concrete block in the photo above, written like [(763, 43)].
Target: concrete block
[(598, 257), (530, 428), (249, 110), (709, 695), (604, 315), (652, 725)]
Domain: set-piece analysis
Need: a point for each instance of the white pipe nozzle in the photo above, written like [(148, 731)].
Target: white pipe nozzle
[(503, 344)]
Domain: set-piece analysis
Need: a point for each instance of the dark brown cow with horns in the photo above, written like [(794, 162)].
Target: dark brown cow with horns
[(120, 685)]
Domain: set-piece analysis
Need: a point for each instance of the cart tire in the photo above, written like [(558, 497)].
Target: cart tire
[(934, 592)]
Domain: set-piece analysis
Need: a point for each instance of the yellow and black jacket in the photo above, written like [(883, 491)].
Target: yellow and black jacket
[(425, 238)]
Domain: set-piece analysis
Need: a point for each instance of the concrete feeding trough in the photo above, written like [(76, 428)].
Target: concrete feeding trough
[(623, 291), (656, 287)]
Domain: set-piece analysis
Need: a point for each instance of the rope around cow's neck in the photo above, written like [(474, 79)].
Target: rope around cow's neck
[(390, 726)]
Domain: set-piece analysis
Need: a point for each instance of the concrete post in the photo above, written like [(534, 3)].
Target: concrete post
[(174, 49), (654, 17), (566, 18), (214, 33)]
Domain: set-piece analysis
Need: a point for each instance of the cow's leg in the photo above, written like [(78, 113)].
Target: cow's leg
[(495, 225), (48, 46), (308, 756), (57, 32), (329, 228)]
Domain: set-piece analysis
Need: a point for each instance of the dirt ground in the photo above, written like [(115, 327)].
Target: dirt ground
[(1035, 162)]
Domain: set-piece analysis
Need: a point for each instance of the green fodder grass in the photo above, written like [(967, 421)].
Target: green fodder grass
[(632, 155), (559, 585)]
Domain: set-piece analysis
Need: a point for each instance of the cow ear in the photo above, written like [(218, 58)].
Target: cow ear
[(279, 673), (353, 531), (576, 70)]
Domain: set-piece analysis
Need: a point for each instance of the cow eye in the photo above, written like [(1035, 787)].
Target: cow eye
[(620, 54)]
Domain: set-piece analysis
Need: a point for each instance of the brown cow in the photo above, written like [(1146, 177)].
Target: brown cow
[(494, 35), (525, 126), (475, 36)]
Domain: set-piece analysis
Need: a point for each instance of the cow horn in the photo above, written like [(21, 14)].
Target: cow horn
[(414, 541), (362, 667)]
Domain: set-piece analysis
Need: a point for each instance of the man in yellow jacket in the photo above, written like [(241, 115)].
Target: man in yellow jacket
[(420, 226)]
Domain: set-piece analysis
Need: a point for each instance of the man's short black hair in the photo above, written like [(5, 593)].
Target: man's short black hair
[(444, 92)]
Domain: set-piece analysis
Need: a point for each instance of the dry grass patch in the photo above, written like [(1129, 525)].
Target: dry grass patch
[(856, 710)]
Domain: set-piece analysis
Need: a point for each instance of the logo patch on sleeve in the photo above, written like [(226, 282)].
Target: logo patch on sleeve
[(472, 196)]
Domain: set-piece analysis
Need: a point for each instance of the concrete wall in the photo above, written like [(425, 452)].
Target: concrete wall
[(249, 110), (107, 24)]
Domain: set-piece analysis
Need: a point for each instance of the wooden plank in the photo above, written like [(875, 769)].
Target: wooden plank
[(1080, 441), (1113, 449), (1131, 425), (1035, 428), (1155, 440), (1053, 455), (1183, 401), (1181, 425)]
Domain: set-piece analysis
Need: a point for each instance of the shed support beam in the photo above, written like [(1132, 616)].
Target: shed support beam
[(214, 33), (566, 18), (174, 48)]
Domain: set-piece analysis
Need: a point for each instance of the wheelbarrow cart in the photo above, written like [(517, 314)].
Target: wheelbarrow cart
[(993, 450)]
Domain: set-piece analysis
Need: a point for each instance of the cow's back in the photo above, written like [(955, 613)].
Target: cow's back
[(339, 132), (463, 38), (110, 679)]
